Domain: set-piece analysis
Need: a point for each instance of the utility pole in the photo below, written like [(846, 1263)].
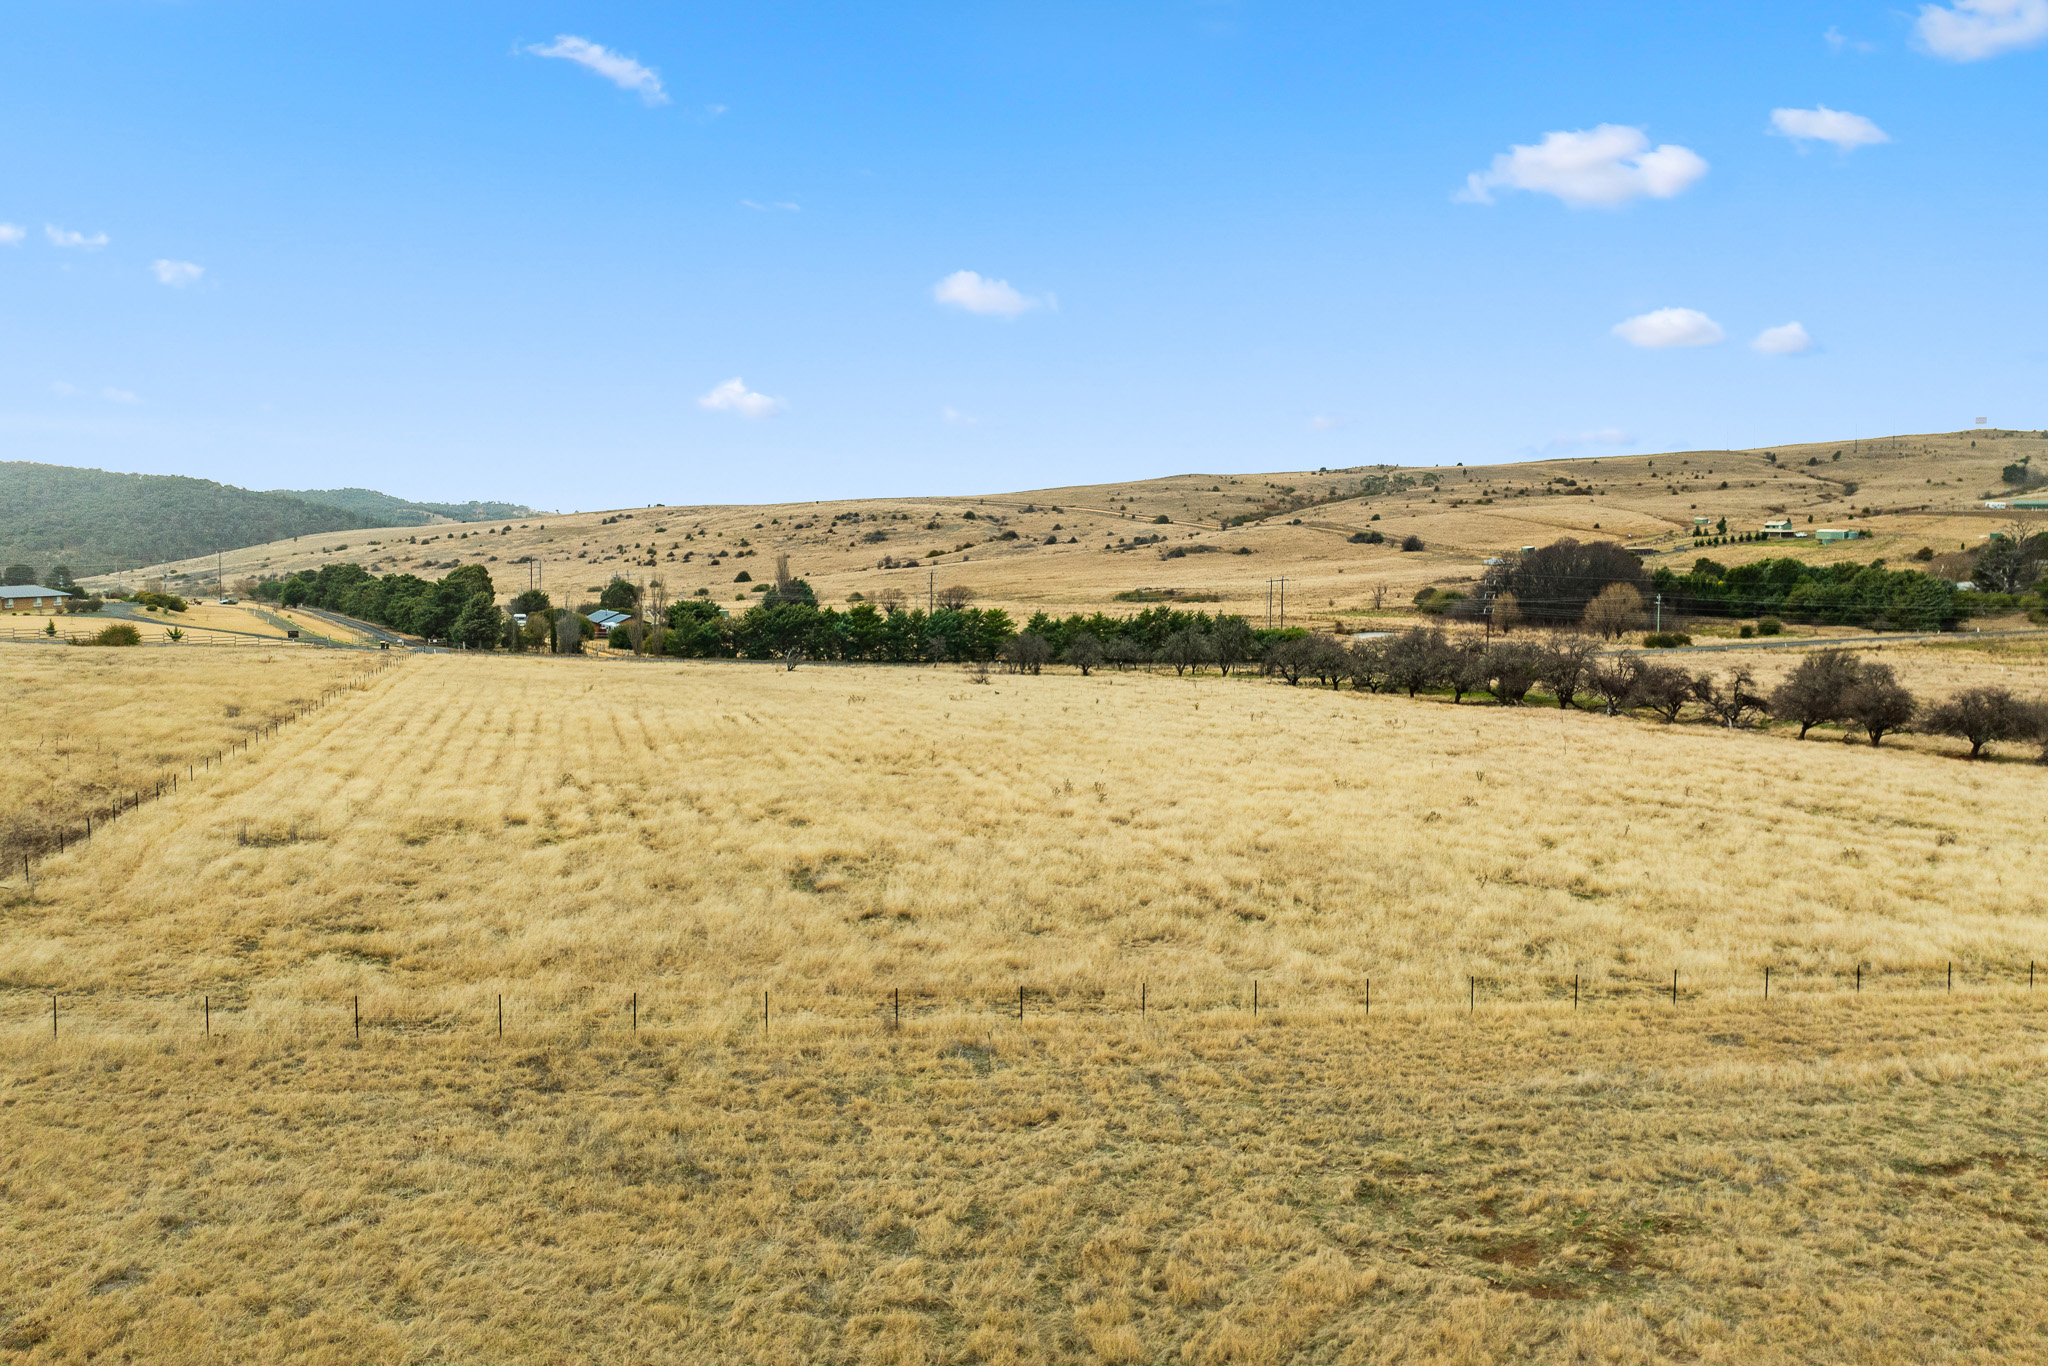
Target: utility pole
[(931, 593), (1660, 614)]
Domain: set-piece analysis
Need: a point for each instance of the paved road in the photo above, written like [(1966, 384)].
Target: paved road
[(379, 634), (1821, 642)]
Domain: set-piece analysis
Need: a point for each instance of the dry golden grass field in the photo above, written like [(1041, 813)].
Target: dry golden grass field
[(88, 730), (1469, 1170), (1905, 492)]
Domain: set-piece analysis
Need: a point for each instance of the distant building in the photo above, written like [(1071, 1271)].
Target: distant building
[(2028, 504), (1700, 524), (26, 597), (1831, 533), (1780, 529), (605, 618)]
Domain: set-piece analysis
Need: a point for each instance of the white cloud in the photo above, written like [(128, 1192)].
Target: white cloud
[(1603, 436), (734, 396), (1608, 166), (11, 234), (177, 274), (621, 70), (1323, 422), (1840, 42), (120, 396), (1789, 340), (1822, 124), (967, 289), (63, 389), (64, 237), (1665, 327), (1971, 30), (958, 418)]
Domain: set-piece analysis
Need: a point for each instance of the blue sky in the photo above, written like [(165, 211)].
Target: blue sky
[(525, 251)]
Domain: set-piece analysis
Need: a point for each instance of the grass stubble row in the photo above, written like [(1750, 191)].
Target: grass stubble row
[(1829, 1176)]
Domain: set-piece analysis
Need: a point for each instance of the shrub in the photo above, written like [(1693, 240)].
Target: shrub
[(1161, 520), (1367, 538), (1770, 626), (1439, 601), (1747, 632), (1666, 640), (743, 577), (120, 633), (1411, 542)]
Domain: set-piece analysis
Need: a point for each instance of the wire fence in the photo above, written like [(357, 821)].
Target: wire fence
[(590, 1015), (63, 839)]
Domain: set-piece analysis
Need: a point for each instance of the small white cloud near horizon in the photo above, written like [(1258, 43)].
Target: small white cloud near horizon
[(177, 274), (1788, 340), (11, 234), (967, 289), (65, 237), (120, 396), (1603, 168), (734, 396), (1603, 436), (1971, 30), (1667, 327), (621, 70), (1839, 42), (957, 418), (1821, 124), (1324, 422), (63, 388)]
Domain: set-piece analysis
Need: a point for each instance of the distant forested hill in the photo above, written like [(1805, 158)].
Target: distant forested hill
[(94, 521), (384, 510)]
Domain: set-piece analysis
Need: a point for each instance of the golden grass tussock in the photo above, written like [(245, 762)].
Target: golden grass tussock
[(655, 1162)]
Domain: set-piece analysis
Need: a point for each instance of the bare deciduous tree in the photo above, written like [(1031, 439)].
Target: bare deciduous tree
[(1816, 690), (1664, 690), (1379, 596), (1186, 649), (1614, 681), (1733, 703), (1084, 652), (1027, 653), (1615, 612), (1982, 715), (1878, 703), (955, 596), (1566, 664)]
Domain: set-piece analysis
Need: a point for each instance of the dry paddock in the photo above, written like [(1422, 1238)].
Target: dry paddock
[(1825, 1176)]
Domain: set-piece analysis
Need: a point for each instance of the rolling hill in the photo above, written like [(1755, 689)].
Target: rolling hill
[(1220, 538), (385, 510), (98, 522)]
